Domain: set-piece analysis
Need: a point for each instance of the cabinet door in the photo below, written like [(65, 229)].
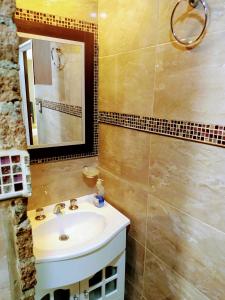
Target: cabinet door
[(70, 292), (93, 291), (107, 284), (75, 291)]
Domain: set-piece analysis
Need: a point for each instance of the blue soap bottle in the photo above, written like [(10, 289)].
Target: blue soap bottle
[(99, 197)]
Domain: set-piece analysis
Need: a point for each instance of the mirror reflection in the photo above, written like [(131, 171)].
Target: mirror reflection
[(52, 79)]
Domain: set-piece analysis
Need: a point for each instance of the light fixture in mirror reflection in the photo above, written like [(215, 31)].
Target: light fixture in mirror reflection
[(52, 80)]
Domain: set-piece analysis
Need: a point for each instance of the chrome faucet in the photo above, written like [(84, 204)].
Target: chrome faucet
[(58, 208)]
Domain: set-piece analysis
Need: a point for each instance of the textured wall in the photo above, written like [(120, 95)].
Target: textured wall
[(172, 190), (11, 123), (17, 267)]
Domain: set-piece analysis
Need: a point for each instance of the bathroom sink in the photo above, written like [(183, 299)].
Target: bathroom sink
[(96, 236), (88, 228), (81, 228)]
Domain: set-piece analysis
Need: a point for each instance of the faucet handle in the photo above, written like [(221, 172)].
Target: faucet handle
[(40, 214), (73, 204), (58, 208), (62, 205)]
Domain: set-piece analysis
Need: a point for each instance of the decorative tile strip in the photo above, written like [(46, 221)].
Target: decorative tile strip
[(53, 20), (68, 109), (64, 157), (198, 132)]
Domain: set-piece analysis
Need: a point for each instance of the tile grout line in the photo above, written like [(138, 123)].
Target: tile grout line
[(179, 275), (158, 44), (128, 51), (132, 284), (194, 218), (177, 209)]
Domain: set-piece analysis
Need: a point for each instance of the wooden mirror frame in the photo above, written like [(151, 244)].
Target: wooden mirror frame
[(88, 39)]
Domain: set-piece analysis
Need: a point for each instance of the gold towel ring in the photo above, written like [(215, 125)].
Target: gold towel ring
[(192, 3)]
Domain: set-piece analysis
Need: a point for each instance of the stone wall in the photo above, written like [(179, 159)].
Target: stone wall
[(17, 263), (24, 247)]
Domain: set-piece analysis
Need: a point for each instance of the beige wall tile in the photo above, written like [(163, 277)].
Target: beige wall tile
[(191, 248), (190, 176), (131, 293), (82, 10), (120, 87), (58, 181), (190, 23), (123, 28), (135, 264), (162, 283), (190, 84), (56, 127), (124, 152), (131, 200)]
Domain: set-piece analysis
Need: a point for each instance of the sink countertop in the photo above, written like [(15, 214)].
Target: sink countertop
[(85, 237)]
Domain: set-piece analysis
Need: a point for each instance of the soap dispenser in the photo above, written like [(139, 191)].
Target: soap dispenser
[(100, 201)]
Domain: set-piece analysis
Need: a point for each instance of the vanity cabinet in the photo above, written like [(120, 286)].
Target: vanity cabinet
[(106, 284), (90, 265)]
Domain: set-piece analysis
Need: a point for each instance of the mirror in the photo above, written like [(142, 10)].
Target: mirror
[(52, 90), (56, 79)]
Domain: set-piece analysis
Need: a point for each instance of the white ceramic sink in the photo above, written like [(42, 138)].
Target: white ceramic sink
[(89, 228), (75, 225)]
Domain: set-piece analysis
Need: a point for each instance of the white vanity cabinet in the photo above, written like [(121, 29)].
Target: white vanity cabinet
[(90, 265), (107, 284)]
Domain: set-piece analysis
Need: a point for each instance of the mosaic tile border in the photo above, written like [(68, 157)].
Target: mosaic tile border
[(71, 23), (73, 110), (197, 132), (60, 158), (54, 20)]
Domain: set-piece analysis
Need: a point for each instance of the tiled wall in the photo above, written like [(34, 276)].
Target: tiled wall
[(173, 190), (73, 110), (58, 122), (58, 181), (80, 9)]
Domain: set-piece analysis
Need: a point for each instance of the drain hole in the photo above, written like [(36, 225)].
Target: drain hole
[(63, 237)]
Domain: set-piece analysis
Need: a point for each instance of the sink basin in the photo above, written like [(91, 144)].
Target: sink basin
[(88, 228), (76, 226), (96, 237)]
